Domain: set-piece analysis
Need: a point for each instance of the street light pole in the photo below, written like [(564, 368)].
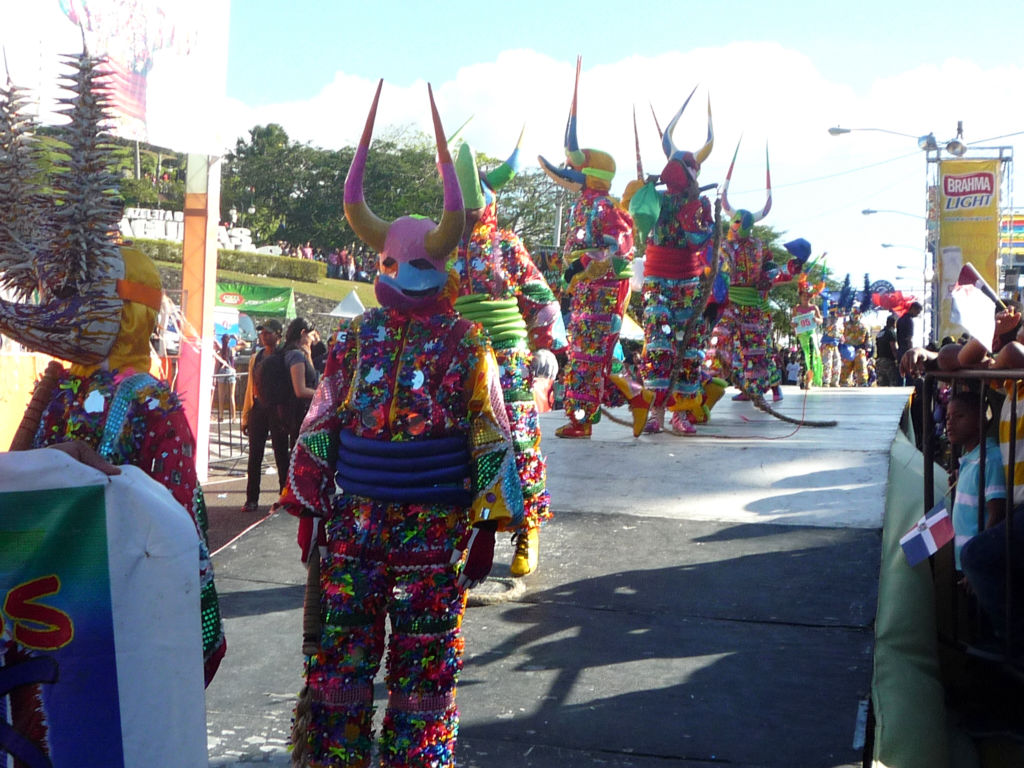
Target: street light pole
[(933, 150)]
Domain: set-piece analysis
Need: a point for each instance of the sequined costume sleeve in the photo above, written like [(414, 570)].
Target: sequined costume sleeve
[(134, 419), (498, 492), (600, 232), (537, 301)]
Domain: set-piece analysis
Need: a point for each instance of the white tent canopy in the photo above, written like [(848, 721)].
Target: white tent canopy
[(350, 306)]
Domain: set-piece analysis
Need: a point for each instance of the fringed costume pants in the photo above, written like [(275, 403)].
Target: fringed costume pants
[(673, 342), (742, 349), (387, 560), (812, 359), (831, 365), (855, 372), (597, 309)]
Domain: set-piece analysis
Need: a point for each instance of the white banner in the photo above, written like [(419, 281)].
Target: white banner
[(169, 59)]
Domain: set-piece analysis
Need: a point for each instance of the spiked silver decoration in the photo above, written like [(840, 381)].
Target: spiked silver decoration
[(63, 242)]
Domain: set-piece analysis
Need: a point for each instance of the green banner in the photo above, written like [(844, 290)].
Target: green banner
[(256, 300)]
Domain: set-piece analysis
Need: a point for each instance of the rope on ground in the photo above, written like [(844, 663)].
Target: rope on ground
[(758, 403), (485, 594)]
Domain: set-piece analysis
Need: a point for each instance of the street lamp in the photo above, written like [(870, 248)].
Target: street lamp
[(870, 211), (837, 131), (954, 146)]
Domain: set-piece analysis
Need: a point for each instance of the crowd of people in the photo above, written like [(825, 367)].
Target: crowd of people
[(351, 262)]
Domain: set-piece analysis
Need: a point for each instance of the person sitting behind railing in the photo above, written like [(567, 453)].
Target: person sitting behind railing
[(984, 557)]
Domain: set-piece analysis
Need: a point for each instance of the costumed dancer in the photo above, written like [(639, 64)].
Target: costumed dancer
[(501, 288), (98, 307), (599, 253), (678, 278), (831, 332), (409, 424), (854, 354), (807, 321), (745, 329)]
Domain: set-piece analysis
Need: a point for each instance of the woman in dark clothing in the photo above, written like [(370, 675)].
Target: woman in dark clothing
[(298, 360)]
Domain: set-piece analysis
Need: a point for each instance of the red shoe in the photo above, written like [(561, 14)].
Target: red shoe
[(573, 430), (776, 394), (741, 397)]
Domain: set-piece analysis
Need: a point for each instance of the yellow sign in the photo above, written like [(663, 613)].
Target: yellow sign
[(968, 228)]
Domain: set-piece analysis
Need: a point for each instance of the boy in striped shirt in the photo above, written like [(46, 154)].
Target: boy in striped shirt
[(964, 433)]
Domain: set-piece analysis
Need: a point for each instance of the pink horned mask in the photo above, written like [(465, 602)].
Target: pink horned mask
[(413, 251)]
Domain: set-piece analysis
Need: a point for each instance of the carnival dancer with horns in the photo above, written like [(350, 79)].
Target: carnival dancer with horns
[(410, 424), (679, 272), (501, 288), (599, 253), (743, 335), (98, 306)]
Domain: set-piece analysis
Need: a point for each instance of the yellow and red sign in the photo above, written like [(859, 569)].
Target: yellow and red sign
[(968, 228)]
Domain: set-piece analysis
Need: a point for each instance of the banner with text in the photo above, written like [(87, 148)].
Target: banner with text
[(100, 631), (968, 228)]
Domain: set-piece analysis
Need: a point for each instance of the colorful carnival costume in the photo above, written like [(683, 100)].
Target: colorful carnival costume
[(501, 288), (405, 457), (854, 353), (831, 332), (98, 305), (677, 286), (743, 335), (599, 251), (807, 321)]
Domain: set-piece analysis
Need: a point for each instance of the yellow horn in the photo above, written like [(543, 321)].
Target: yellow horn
[(368, 227), (704, 151)]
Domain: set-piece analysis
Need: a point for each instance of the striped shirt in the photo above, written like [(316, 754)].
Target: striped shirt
[(1005, 421), (965, 503)]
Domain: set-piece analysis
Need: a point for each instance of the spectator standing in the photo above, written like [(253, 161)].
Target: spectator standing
[(224, 374), (334, 264), (298, 360), (260, 419), (905, 330), (793, 372), (886, 349)]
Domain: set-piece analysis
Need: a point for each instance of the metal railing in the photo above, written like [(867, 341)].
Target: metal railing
[(228, 447), (963, 634)]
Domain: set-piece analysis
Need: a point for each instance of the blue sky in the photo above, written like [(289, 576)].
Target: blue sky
[(283, 51)]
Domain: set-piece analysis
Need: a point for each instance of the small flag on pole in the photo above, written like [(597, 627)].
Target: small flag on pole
[(932, 532), (974, 305)]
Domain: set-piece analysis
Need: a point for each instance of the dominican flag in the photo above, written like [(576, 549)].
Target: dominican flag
[(974, 305), (932, 532)]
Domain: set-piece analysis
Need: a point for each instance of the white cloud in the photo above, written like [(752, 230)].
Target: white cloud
[(762, 90)]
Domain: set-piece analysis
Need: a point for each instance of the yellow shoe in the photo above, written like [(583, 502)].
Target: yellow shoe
[(640, 406), (637, 398), (714, 388), (527, 552)]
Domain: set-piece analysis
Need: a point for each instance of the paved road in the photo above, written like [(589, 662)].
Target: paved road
[(699, 600)]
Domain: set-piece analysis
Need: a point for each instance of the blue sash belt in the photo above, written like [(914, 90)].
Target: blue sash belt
[(431, 471)]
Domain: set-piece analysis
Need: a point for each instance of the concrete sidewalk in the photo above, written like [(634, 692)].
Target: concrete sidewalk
[(699, 600)]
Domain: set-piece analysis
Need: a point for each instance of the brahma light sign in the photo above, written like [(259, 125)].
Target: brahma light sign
[(968, 228)]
